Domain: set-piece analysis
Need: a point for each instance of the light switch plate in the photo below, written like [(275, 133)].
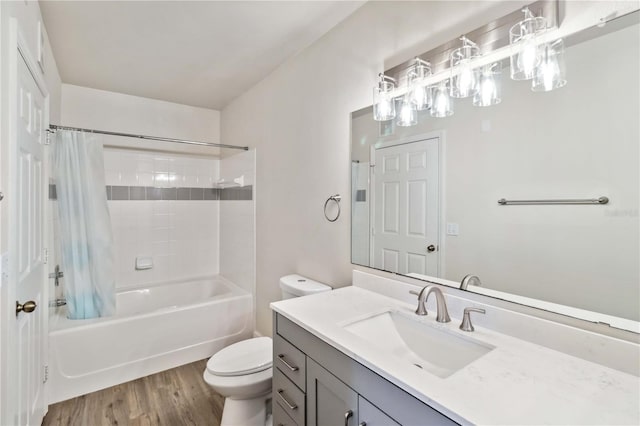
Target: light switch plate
[(453, 229)]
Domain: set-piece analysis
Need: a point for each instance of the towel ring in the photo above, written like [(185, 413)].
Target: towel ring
[(336, 199)]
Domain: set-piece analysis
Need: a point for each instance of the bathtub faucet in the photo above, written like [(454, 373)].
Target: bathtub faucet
[(56, 303), (56, 275)]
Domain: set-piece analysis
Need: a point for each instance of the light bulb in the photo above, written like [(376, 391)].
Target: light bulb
[(384, 107), (523, 38), (383, 103), (442, 106), (466, 81), (464, 78), (488, 91), (489, 86), (528, 58), (418, 96), (550, 74), (408, 114)]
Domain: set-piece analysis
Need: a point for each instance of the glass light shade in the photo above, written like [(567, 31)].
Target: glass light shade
[(551, 73), (464, 78), (384, 106), (442, 105), (408, 115), (525, 56), (419, 93), (489, 87)]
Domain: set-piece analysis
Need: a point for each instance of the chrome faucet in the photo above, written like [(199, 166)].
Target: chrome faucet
[(470, 280), (442, 314)]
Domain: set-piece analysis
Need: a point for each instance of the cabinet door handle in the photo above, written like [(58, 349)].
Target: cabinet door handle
[(289, 366), (290, 405), (347, 416)]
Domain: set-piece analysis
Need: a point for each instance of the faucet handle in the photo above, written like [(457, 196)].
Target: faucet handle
[(421, 309), (466, 318)]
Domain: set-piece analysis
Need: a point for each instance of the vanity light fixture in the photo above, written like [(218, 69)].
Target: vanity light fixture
[(384, 107), (442, 105), (420, 93), (489, 87), (462, 72), (408, 114), (551, 73), (464, 77), (523, 40)]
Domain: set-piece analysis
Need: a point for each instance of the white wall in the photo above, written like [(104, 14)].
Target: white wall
[(299, 118), (103, 110), (580, 141), (182, 236), (237, 224)]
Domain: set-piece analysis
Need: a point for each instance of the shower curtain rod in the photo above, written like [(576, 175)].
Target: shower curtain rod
[(54, 127)]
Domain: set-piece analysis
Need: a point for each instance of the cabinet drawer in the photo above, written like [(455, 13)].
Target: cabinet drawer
[(288, 396), (280, 417), (290, 360)]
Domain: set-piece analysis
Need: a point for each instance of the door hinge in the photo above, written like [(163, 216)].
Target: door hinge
[(46, 374), (47, 139), (45, 255)]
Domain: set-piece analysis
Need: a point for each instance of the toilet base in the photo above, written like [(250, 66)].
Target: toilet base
[(245, 412)]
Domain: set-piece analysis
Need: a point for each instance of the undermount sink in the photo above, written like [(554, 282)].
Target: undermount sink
[(430, 348)]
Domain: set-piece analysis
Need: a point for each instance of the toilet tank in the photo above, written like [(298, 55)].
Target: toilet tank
[(296, 285)]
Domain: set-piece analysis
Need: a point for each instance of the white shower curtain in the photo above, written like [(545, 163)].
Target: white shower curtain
[(85, 227)]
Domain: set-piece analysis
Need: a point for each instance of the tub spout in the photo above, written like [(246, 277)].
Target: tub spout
[(56, 303)]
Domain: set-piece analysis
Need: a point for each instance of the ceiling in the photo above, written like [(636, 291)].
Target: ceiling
[(200, 53)]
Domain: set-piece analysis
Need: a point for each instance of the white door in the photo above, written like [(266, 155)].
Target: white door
[(405, 236), (26, 251)]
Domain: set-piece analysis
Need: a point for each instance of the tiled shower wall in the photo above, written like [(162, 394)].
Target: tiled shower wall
[(158, 209)]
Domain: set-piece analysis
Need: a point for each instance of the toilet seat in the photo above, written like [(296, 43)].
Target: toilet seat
[(243, 358)]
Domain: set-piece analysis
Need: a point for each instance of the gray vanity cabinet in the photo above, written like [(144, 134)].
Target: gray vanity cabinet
[(315, 384), (329, 401)]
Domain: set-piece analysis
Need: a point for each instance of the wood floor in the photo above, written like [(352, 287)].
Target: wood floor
[(174, 397)]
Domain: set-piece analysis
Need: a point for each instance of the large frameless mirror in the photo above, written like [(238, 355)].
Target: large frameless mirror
[(444, 198)]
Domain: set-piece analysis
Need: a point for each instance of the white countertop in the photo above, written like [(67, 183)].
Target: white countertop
[(516, 383)]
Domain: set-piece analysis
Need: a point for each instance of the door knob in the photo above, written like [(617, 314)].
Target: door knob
[(28, 307), (431, 248)]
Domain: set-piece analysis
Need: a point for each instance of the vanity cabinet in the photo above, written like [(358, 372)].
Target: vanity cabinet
[(315, 384)]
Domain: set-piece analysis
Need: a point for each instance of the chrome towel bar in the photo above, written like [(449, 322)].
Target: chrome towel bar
[(600, 200)]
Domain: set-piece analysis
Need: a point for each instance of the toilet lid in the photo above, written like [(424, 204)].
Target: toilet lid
[(246, 357)]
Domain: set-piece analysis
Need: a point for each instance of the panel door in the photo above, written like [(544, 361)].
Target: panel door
[(405, 236), (26, 247), (329, 401)]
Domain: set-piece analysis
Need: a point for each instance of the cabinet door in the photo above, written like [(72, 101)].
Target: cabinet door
[(329, 401), (370, 415)]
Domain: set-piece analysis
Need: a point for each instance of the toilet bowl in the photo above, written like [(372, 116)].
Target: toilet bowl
[(242, 372)]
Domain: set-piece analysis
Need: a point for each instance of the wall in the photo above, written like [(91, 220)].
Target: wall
[(538, 145), (162, 203), (299, 118), (237, 222)]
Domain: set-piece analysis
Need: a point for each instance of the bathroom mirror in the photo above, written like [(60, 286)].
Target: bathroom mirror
[(425, 198)]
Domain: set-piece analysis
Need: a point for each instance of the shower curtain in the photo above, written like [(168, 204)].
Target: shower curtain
[(85, 226)]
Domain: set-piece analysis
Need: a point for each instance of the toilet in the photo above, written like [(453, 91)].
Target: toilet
[(242, 372)]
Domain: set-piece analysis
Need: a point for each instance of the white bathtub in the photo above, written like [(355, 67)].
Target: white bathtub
[(155, 328)]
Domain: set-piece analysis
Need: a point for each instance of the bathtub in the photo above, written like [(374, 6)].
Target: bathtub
[(156, 327)]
